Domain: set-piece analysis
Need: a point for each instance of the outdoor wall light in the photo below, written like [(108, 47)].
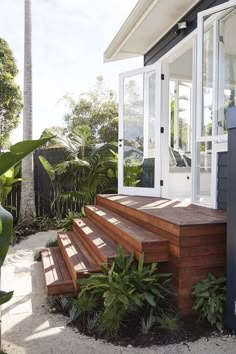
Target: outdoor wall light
[(182, 25)]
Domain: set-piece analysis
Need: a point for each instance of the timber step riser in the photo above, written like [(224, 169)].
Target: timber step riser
[(154, 250), (91, 245)]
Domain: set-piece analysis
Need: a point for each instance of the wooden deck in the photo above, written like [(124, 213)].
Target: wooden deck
[(187, 240), (196, 236), (172, 211)]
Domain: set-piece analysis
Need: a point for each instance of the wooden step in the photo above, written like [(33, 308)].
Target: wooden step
[(78, 260), (131, 236), (58, 279), (103, 247)]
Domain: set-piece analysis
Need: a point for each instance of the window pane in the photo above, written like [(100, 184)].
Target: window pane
[(139, 130), (226, 69), (204, 161), (207, 113)]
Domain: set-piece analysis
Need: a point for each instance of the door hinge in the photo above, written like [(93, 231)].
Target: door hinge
[(161, 183), (162, 130), (162, 76), (221, 39)]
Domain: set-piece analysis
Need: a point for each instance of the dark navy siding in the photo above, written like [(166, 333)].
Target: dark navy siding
[(171, 38), (222, 180)]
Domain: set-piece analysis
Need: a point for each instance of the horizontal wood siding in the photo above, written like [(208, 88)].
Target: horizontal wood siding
[(171, 39), (222, 180)]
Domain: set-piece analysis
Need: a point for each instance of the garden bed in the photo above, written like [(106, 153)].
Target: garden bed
[(189, 329)]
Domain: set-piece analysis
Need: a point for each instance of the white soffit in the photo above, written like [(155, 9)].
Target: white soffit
[(149, 21)]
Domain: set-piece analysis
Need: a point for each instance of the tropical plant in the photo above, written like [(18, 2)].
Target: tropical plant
[(27, 205), (57, 185), (168, 320), (67, 222), (127, 287), (7, 181), (84, 170), (147, 322), (8, 160), (132, 174), (209, 299)]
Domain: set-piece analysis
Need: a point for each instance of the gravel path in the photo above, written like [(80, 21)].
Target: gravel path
[(29, 328)]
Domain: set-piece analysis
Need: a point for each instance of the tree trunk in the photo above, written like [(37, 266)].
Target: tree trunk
[(27, 209)]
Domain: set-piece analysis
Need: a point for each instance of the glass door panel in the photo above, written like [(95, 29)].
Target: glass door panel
[(138, 133)]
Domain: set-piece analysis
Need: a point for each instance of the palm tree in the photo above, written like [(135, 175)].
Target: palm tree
[(27, 210)]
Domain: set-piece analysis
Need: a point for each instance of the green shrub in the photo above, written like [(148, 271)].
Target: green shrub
[(147, 323), (52, 243), (126, 288), (209, 299), (67, 222), (169, 321)]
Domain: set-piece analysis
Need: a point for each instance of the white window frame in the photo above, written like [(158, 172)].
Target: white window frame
[(142, 191), (200, 40), (219, 142)]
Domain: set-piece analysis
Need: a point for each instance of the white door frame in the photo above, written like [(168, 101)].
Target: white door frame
[(156, 191)]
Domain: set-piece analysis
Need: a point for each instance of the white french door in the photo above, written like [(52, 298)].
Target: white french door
[(139, 147), (216, 91)]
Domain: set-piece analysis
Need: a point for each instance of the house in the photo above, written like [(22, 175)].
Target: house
[(177, 102), (172, 174)]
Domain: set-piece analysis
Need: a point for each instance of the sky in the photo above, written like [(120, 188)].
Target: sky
[(68, 41)]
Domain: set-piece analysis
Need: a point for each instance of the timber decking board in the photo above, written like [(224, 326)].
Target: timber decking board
[(76, 256), (141, 239), (95, 239), (171, 211), (58, 280)]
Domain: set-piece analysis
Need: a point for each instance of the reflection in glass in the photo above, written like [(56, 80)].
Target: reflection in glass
[(204, 162), (139, 130), (207, 114), (226, 69)]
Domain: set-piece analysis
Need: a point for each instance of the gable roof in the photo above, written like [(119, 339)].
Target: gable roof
[(149, 21)]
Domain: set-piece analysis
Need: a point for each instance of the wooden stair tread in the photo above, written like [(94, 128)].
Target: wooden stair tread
[(139, 235), (58, 279), (77, 255), (105, 246)]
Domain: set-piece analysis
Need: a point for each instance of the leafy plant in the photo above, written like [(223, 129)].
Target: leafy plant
[(209, 299), (46, 223), (86, 304), (84, 169), (92, 321), (7, 181), (67, 222), (7, 161), (73, 314), (169, 321), (109, 322), (147, 323), (132, 174), (127, 287), (37, 256), (52, 243), (65, 303)]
